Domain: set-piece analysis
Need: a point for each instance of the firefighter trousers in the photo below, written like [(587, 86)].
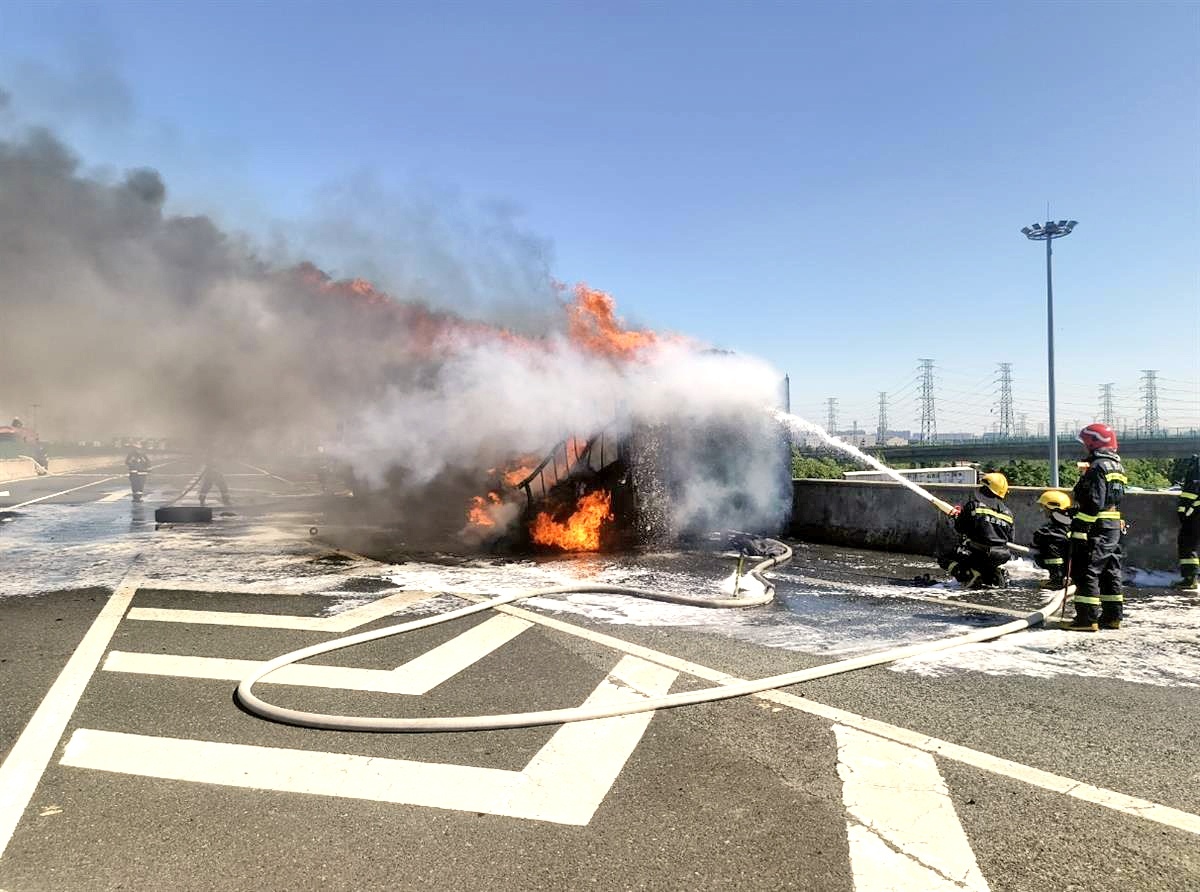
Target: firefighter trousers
[(1096, 572), (1189, 544), (975, 566)]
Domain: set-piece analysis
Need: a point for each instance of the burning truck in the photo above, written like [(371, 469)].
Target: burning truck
[(659, 441), (642, 484)]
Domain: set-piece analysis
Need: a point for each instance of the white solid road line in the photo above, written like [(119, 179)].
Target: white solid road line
[(902, 820), (63, 492), (115, 496), (342, 622), (418, 676), (84, 486), (1130, 805), (22, 770), (268, 473), (564, 783)]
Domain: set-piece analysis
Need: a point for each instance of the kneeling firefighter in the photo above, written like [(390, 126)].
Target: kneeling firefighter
[(1096, 534), (986, 525), (1052, 540)]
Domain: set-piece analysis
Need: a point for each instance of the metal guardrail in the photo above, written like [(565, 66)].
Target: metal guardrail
[(1177, 433), (1174, 446), (567, 458)]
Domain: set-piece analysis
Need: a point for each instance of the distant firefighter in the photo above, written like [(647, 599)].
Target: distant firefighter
[(1052, 540), (138, 463), (40, 456), (986, 525), (1189, 527), (212, 476)]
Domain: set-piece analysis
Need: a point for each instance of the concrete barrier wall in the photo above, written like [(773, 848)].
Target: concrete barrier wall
[(891, 517)]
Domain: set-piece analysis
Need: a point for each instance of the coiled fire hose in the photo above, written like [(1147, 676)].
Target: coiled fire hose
[(252, 703)]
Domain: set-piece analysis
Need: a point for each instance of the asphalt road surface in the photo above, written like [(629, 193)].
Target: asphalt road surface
[(1043, 761)]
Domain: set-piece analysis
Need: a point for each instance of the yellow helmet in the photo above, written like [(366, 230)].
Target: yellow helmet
[(997, 483), (1054, 500)]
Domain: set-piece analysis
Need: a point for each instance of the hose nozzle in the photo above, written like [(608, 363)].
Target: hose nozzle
[(945, 507)]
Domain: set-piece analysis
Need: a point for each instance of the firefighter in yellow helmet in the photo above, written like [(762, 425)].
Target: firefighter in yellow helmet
[(986, 525), (1052, 540)]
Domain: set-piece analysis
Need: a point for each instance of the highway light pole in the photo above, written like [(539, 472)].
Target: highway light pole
[(1048, 232)]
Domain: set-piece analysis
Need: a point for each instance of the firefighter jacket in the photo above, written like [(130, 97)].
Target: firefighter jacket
[(1189, 491), (1098, 495), (137, 462), (1052, 539), (985, 521)]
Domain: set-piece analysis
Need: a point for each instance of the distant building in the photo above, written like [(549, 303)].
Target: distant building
[(957, 474)]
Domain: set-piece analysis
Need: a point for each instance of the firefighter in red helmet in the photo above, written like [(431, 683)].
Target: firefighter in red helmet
[(1096, 533)]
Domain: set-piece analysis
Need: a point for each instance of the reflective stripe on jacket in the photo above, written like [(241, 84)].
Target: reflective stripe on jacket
[(1052, 539), (1098, 495), (1189, 495), (986, 521)]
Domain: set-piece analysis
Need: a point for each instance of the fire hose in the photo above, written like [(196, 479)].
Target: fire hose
[(246, 697)]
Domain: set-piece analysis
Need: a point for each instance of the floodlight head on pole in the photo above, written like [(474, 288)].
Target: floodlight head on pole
[(1040, 232)]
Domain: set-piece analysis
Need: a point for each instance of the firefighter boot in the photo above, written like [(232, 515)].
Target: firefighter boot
[(1189, 581), (1110, 616), (1085, 619)]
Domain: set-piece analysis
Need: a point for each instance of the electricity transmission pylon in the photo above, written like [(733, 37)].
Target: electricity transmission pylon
[(1006, 400), (928, 417), (1150, 400), (1106, 404)]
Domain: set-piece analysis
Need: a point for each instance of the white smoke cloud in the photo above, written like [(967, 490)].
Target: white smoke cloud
[(119, 318)]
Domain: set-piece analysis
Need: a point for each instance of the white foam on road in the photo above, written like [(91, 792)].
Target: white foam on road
[(828, 603), (1158, 644), (53, 547)]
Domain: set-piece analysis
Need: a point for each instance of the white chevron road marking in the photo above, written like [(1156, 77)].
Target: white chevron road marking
[(903, 830), (342, 622), (417, 676), (564, 783)]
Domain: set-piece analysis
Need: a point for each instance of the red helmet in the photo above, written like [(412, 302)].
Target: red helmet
[(1098, 436)]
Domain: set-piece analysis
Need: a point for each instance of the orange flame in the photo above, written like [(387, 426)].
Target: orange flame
[(581, 531), (593, 325), (479, 513), (426, 328), (513, 476)]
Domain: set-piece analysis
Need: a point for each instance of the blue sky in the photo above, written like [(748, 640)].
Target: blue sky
[(838, 188)]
